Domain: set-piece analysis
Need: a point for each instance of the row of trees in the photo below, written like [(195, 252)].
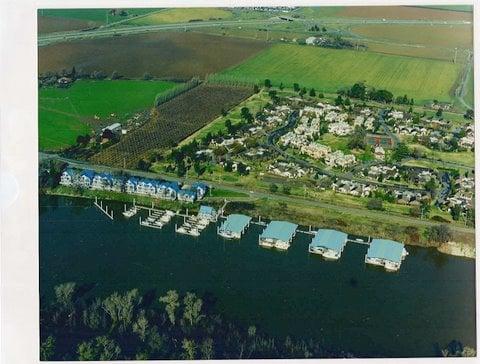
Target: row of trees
[(360, 91), (75, 326)]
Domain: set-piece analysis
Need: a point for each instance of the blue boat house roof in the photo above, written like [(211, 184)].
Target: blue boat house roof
[(386, 249), (279, 230), (329, 239), (235, 223)]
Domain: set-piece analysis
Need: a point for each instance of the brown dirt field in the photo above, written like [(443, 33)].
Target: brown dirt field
[(172, 122), (51, 24), (403, 12), (439, 35), (162, 54)]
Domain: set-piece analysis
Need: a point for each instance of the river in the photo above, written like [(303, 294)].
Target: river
[(344, 304)]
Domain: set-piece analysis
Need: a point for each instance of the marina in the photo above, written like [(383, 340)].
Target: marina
[(327, 243), (293, 293)]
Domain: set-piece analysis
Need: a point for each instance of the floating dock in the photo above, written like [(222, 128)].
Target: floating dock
[(104, 209), (234, 226), (386, 253), (328, 243), (157, 219), (278, 234)]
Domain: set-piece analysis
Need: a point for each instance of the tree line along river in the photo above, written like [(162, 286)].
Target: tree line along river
[(344, 304)]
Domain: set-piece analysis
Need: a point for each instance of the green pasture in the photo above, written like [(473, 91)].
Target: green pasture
[(328, 70), (182, 15), (64, 112), (101, 16)]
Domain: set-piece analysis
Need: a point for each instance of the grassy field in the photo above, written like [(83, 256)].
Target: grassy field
[(182, 15), (163, 54), (328, 70), (99, 16), (65, 113), (173, 121), (470, 94), (465, 158)]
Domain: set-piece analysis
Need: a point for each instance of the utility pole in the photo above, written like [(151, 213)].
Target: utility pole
[(455, 56)]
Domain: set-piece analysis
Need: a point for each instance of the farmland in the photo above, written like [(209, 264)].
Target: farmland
[(173, 121), (439, 35), (328, 70), (403, 12), (50, 24), (182, 15), (65, 113), (164, 54)]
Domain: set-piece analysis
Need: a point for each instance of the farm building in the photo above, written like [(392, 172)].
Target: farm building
[(114, 128), (328, 243), (207, 213), (278, 234), (387, 253), (234, 226)]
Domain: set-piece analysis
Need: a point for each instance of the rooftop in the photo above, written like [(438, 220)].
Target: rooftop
[(385, 249), (235, 223), (280, 230), (207, 210), (330, 239)]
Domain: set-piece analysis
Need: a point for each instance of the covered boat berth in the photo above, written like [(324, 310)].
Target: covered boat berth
[(234, 226), (328, 243), (278, 234), (386, 253)]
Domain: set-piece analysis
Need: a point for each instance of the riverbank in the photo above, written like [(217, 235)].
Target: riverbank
[(356, 224)]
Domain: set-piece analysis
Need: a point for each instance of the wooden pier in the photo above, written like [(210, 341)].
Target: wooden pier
[(103, 209)]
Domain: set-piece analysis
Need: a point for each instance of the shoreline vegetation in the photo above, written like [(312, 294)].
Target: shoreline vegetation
[(303, 215)]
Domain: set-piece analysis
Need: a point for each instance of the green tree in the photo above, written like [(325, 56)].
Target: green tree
[(47, 348), (64, 295), (120, 308), (439, 233), (106, 348), (267, 83), (147, 76), (431, 185), (273, 187), (296, 87), (256, 89), (312, 92), (140, 326), (92, 316), (207, 349), (171, 304), (375, 204), (189, 348), (455, 211), (192, 308), (286, 189), (86, 351)]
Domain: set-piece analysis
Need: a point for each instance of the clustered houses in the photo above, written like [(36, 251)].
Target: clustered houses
[(366, 123), (409, 197), (340, 128), (468, 141), (339, 159), (133, 185), (353, 188), (463, 197), (289, 170), (277, 115), (383, 172)]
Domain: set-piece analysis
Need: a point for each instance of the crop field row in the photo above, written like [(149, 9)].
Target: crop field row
[(173, 121), (328, 70), (65, 113), (403, 12), (449, 36), (175, 55)]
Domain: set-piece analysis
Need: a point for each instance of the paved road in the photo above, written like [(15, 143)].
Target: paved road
[(52, 38), (259, 194)]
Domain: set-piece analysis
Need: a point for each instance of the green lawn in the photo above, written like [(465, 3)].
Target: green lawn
[(101, 16), (63, 112), (330, 69), (466, 158), (182, 15)]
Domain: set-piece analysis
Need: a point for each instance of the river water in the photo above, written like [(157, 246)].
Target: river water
[(344, 304)]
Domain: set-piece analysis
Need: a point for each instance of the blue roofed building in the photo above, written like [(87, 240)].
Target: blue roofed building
[(146, 187), (131, 185), (86, 178), (234, 226), (328, 243), (387, 253), (278, 234), (187, 195), (207, 213), (102, 181), (201, 189), (68, 177)]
